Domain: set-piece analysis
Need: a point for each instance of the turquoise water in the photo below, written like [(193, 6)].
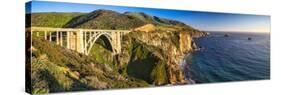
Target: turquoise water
[(233, 58)]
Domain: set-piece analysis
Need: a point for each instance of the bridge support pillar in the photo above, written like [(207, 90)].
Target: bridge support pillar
[(57, 37), (117, 42), (67, 40), (84, 41), (45, 35), (72, 41), (50, 36), (61, 43), (79, 41)]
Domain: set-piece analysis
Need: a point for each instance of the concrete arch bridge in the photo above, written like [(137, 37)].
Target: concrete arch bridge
[(80, 40)]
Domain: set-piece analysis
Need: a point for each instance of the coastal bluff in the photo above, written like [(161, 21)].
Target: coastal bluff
[(165, 48)]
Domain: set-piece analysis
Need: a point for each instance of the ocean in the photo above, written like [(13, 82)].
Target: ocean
[(238, 57)]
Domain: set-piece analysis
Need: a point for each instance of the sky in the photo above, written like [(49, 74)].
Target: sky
[(207, 21)]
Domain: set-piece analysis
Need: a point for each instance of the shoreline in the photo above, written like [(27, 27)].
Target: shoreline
[(186, 61)]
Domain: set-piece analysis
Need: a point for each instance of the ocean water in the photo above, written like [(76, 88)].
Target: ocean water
[(233, 58)]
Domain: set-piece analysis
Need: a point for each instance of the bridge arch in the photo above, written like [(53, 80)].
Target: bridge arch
[(93, 40)]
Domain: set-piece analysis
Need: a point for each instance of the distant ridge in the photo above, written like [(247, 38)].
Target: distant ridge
[(154, 19)]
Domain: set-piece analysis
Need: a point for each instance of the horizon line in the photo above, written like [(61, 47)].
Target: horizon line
[(236, 31)]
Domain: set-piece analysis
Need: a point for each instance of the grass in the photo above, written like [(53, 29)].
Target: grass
[(144, 64), (52, 19), (159, 74), (56, 69)]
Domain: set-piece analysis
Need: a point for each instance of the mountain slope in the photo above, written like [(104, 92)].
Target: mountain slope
[(153, 19), (50, 19), (104, 19), (142, 16), (164, 24)]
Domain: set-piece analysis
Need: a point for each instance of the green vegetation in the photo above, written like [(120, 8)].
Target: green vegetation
[(154, 19), (159, 75), (51, 19), (102, 47), (104, 19), (145, 61), (56, 69), (142, 63)]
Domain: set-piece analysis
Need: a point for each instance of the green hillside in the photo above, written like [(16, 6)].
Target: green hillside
[(51, 19), (57, 69), (153, 19), (142, 16), (104, 19)]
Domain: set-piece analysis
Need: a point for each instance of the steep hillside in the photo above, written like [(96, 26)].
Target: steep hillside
[(153, 19), (57, 69), (155, 56), (50, 19), (104, 19)]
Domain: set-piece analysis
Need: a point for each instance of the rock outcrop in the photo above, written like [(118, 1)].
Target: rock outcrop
[(185, 41), (145, 28)]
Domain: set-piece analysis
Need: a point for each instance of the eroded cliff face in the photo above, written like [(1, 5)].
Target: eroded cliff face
[(166, 47), (145, 28), (186, 42)]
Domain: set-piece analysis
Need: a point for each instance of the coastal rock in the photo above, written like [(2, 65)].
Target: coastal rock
[(249, 38), (226, 35), (185, 41)]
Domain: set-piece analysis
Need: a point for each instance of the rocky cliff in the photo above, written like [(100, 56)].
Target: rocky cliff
[(165, 49)]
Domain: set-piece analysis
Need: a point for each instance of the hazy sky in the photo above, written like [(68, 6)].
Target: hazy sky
[(201, 20)]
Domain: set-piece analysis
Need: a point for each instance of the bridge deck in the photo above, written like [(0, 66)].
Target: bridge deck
[(30, 29)]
